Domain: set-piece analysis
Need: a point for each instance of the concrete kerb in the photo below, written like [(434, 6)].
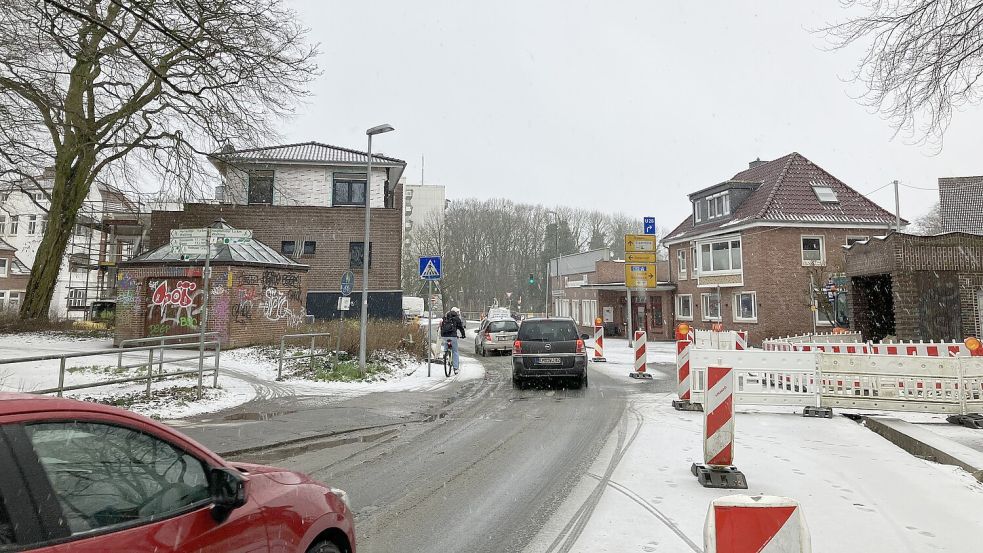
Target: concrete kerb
[(926, 444)]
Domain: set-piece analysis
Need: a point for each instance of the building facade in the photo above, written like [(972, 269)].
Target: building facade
[(961, 204), (109, 229), (307, 202), (423, 204), (760, 250)]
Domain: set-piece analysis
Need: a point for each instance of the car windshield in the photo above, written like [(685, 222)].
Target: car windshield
[(503, 326), (547, 331)]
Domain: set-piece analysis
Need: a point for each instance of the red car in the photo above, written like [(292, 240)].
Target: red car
[(84, 477)]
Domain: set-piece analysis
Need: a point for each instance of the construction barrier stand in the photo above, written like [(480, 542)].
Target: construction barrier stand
[(598, 344), (641, 358), (765, 524), (718, 433)]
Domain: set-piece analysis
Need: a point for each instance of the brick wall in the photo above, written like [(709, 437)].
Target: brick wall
[(332, 228), (247, 304), (772, 268)]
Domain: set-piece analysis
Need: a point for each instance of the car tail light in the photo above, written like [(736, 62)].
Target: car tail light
[(517, 346), (580, 346)]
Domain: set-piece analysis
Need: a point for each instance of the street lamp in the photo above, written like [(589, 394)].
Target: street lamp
[(363, 331), (556, 252)]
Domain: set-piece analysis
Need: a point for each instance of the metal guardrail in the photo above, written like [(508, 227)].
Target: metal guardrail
[(283, 344), (149, 365)]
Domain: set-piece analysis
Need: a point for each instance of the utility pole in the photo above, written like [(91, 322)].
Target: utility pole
[(897, 208)]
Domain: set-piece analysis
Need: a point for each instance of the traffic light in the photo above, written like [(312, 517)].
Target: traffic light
[(532, 280)]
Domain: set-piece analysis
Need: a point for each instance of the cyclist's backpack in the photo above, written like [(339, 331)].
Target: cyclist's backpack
[(447, 326)]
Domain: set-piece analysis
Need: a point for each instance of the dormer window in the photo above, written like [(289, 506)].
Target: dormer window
[(718, 205), (825, 194)]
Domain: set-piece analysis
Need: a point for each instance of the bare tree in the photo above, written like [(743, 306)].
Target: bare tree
[(930, 223), (103, 90), (922, 60)]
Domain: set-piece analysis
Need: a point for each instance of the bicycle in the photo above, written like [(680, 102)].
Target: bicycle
[(448, 357)]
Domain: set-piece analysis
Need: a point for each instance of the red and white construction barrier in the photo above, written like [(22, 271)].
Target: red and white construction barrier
[(759, 524), (683, 385), (718, 433), (598, 344), (641, 358), (740, 343)]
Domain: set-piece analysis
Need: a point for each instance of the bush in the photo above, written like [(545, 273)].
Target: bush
[(382, 336)]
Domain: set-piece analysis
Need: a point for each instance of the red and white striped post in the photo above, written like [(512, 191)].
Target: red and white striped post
[(598, 341), (740, 343), (718, 433), (766, 524), (684, 386), (641, 358)]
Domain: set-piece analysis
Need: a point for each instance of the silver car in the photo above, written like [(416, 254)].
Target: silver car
[(495, 335)]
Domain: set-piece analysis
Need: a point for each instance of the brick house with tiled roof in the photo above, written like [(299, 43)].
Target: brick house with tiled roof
[(746, 255)]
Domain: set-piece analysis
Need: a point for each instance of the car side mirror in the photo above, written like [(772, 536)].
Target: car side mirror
[(585, 337), (228, 491)]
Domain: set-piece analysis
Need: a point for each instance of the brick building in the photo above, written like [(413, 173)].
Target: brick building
[(14, 275), (592, 284), (757, 247), (917, 287), (961, 204), (255, 294), (306, 201)]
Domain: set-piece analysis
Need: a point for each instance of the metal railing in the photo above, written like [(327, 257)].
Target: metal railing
[(214, 350), (311, 355)]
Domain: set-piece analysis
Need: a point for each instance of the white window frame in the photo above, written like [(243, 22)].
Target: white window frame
[(705, 307), (737, 306), (704, 271), (14, 222), (4, 266), (679, 310), (696, 212), (822, 251), (856, 237), (718, 205), (820, 321), (76, 297), (816, 187), (3, 299), (13, 300), (32, 225), (681, 264), (696, 263)]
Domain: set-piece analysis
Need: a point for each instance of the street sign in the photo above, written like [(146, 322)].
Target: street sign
[(347, 283), (430, 267), (215, 233), (635, 257), (344, 303), (640, 275), (639, 243), (189, 249), (648, 226)]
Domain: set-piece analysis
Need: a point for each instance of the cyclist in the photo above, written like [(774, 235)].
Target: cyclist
[(450, 325)]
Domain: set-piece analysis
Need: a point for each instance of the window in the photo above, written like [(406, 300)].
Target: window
[(6, 527), (310, 247), (697, 215), (681, 263), (38, 196), (720, 256), (288, 247), (13, 225), (718, 205), (105, 475), (745, 306), (825, 194), (14, 301), (3, 224), (548, 331), (3, 266), (76, 297), (348, 189), (83, 231), (503, 326), (711, 307), (44, 224), (684, 307), (696, 261), (260, 187), (32, 224), (851, 240), (813, 250), (3, 300), (356, 255)]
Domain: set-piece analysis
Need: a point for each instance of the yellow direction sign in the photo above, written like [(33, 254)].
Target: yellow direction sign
[(639, 243), (640, 275), (635, 257)]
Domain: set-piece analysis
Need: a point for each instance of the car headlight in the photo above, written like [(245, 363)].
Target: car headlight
[(342, 495)]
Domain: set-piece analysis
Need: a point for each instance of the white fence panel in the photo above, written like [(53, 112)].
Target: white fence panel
[(824, 338), (762, 378), (723, 340), (896, 383)]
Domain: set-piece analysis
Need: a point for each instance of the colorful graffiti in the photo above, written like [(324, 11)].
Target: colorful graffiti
[(173, 306), (126, 290)]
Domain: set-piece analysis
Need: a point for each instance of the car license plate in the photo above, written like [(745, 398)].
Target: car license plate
[(549, 361), (503, 338)]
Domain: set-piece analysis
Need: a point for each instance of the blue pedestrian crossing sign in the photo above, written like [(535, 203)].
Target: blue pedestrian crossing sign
[(430, 267), (649, 226)]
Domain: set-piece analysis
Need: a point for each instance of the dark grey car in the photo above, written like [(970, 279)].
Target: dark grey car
[(549, 348)]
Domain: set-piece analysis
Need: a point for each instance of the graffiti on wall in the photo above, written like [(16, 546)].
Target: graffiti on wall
[(173, 306), (126, 290)]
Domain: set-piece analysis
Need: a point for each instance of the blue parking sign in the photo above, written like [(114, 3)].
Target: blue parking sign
[(430, 267), (649, 225)]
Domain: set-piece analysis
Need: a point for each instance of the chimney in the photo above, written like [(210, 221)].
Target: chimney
[(755, 163)]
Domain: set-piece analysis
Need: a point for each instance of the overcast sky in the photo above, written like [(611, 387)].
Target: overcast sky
[(616, 105)]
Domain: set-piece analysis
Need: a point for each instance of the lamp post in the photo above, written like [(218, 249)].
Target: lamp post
[(366, 247), (556, 252)]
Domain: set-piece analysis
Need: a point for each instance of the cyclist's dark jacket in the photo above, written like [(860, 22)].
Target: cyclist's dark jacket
[(450, 325)]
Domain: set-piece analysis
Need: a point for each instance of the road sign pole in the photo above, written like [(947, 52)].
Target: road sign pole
[(429, 324), (629, 331), (203, 322)]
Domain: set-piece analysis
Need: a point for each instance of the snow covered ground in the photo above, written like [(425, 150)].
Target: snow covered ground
[(621, 358), (858, 491), (245, 374)]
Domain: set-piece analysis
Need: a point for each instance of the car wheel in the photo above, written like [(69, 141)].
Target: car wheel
[(324, 547), (580, 382)]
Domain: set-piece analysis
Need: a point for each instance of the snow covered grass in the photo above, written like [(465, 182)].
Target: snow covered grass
[(858, 491)]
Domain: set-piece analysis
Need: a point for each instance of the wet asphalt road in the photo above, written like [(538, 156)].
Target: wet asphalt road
[(482, 474)]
